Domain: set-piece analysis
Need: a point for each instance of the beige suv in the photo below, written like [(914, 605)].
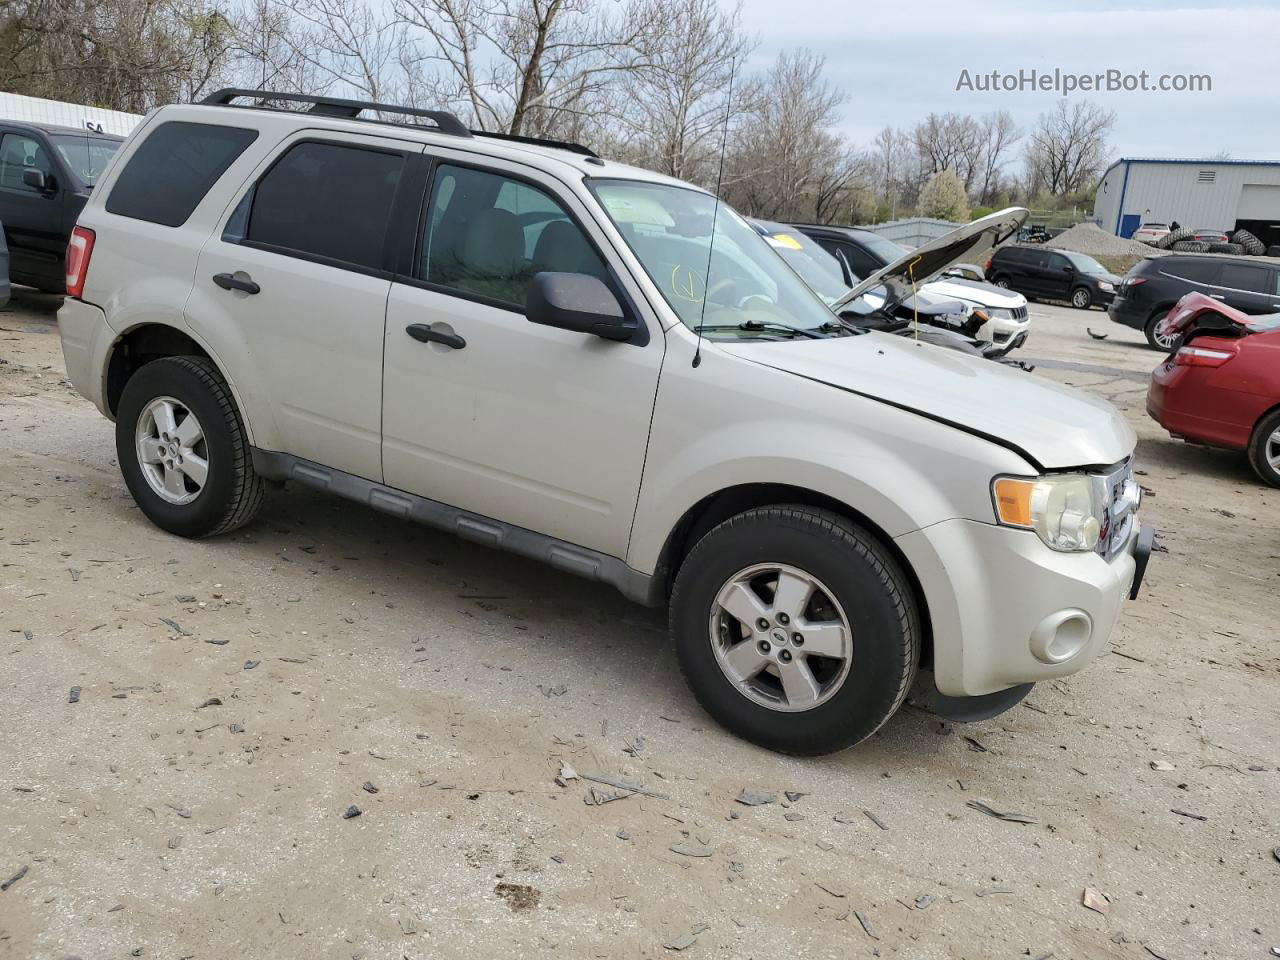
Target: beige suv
[(607, 370)]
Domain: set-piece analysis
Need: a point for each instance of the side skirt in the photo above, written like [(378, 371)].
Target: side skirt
[(634, 585)]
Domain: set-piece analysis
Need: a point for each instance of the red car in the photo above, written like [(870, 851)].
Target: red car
[(1221, 384)]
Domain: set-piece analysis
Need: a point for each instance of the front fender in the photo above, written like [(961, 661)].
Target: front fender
[(730, 422)]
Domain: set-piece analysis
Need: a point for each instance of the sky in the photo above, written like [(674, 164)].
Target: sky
[(901, 59)]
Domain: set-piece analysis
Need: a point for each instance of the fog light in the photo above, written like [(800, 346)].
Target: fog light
[(1060, 636)]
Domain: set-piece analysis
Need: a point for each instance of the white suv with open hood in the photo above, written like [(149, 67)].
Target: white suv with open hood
[(604, 369)]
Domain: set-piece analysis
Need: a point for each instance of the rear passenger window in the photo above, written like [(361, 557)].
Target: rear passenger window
[(486, 235), (328, 201), (173, 168), (1240, 276), (1196, 271)]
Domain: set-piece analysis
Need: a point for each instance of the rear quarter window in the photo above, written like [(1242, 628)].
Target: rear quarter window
[(1194, 271), (169, 173), (1242, 276)]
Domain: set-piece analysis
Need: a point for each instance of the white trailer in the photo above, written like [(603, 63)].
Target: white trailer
[(14, 106)]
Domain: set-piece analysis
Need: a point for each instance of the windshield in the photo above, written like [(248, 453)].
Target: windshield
[(668, 228), (86, 156), (1085, 264), (886, 251), (818, 269)]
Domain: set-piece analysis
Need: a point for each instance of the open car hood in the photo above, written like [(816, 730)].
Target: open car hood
[(1055, 427), (926, 262)]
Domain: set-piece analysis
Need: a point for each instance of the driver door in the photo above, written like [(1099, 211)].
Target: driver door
[(538, 427)]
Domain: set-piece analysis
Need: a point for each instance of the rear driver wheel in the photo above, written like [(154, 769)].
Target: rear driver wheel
[(795, 629)]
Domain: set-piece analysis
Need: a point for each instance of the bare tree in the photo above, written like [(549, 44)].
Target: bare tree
[(949, 141), (675, 106), (1067, 147), (785, 155), (121, 54), (522, 66), (998, 134), (347, 44)]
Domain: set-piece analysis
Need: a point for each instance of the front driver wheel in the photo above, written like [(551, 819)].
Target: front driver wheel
[(1081, 298), (183, 450), (1159, 341), (795, 629)]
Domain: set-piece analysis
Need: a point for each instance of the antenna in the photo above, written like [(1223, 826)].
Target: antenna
[(715, 211)]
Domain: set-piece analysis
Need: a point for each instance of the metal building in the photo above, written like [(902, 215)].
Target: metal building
[(1224, 195), (14, 106)]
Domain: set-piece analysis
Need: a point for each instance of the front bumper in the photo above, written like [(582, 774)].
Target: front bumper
[(1006, 610)]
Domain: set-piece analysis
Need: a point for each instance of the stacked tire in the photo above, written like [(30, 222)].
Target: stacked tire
[(1249, 243), (1174, 236), (1191, 246), (1232, 248)]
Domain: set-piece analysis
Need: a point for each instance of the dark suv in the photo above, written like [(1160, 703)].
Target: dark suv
[(1042, 273), (46, 173), (1155, 284)]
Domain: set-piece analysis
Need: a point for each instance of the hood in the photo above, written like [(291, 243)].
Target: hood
[(986, 294), (1052, 426), (927, 261)]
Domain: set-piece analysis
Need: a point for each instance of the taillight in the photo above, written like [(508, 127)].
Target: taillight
[(79, 250), (1203, 356), (987, 266), (1134, 281)]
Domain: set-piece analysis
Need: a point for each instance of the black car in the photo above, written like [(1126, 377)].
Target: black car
[(1155, 284), (46, 173), (1047, 274), (861, 251)]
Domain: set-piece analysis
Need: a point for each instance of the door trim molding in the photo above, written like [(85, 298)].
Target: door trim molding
[(571, 558)]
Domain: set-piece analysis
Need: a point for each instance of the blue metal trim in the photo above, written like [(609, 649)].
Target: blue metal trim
[(1202, 163), (1124, 186)]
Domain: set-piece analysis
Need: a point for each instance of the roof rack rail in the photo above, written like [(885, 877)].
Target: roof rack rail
[(338, 107), (444, 121), (539, 142)]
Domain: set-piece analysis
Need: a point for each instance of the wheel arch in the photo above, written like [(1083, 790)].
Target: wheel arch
[(153, 340), (719, 506)]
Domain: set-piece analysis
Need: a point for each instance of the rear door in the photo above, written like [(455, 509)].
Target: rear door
[(294, 285), (1250, 287), (538, 427)]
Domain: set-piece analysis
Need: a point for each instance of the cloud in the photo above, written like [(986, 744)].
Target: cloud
[(899, 61)]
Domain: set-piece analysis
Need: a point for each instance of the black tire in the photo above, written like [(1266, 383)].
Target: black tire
[(1263, 433), (1173, 236), (1150, 331), (861, 575), (1001, 281), (1234, 249), (1251, 244), (232, 492), (1191, 246), (1081, 298)]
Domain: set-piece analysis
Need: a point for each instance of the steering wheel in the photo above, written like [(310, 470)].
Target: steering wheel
[(720, 286)]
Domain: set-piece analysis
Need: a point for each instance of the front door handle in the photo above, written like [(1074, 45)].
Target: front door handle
[(236, 281), (423, 333)]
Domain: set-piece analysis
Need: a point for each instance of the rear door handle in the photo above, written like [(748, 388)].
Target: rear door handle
[(1217, 296), (236, 281), (423, 333)]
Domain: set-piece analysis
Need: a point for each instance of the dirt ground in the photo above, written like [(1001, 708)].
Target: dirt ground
[(439, 687)]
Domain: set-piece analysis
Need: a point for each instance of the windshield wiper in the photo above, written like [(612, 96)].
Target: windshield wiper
[(842, 326), (763, 325)]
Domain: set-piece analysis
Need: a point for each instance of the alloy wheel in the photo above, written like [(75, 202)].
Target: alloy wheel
[(1271, 450), (781, 637), (172, 451)]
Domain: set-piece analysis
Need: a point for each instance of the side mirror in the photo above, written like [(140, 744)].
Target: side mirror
[(37, 180), (578, 302)]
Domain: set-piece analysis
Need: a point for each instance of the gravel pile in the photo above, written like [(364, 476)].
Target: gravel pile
[(1096, 242)]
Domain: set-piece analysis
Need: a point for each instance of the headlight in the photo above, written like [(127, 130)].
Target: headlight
[(1103, 285), (1063, 509), (1000, 313)]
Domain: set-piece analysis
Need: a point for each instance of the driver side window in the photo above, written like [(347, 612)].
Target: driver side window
[(19, 153), (487, 236)]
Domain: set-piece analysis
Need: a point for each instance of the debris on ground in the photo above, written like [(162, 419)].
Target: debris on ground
[(566, 774), (74, 695), (1096, 900), (691, 850), (351, 812), (519, 896), (1186, 813), (22, 872), (756, 798), (1095, 336), (611, 781), (1000, 814)]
